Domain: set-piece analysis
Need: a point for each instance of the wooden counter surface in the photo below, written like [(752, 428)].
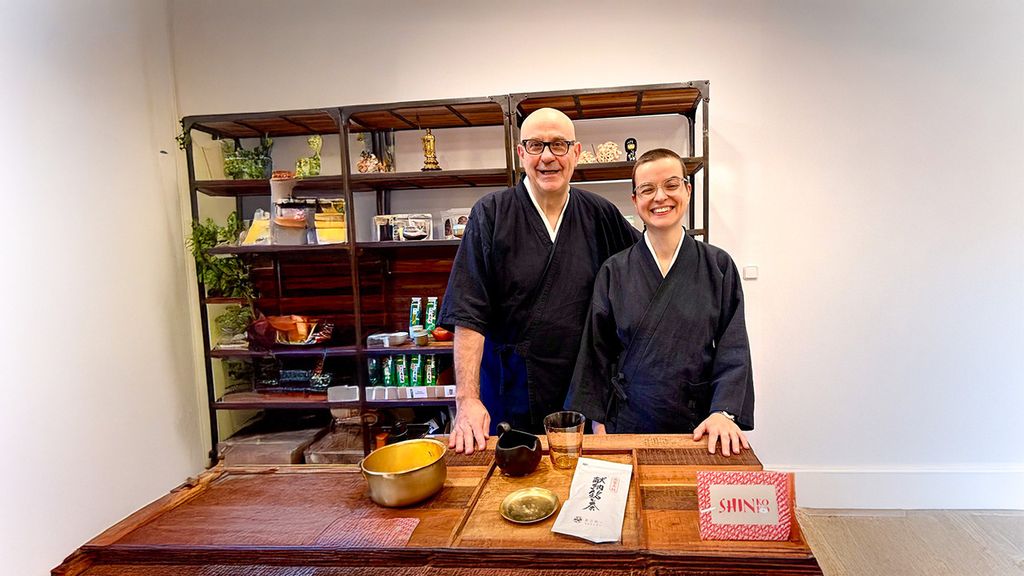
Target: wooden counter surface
[(308, 520)]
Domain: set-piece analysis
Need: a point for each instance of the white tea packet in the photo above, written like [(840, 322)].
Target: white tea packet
[(597, 501)]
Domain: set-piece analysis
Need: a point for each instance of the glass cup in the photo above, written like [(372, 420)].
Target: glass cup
[(565, 438)]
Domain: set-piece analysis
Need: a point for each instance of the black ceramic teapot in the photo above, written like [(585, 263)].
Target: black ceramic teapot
[(516, 453)]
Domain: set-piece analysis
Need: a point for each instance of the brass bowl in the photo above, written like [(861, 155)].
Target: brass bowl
[(406, 472), (528, 505)]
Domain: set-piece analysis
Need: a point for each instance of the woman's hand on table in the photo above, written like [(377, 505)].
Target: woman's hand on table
[(472, 421), (721, 429)]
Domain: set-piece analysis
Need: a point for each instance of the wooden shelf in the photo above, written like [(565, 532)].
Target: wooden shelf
[(229, 188), (386, 245), (493, 177), (254, 125), (278, 248), (224, 300), (605, 171), (612, 171), (333, 186), (413, 402), (282, 400), (457, 113), (311, 401), (627, 101), (304, 187), (397, 245), (432, 348), (294, 351)]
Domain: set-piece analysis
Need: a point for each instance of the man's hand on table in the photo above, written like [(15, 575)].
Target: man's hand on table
[(720, 428), (472, 422), (598, 427)]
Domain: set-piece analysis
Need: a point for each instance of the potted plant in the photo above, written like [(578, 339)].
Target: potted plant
[(232, 326), (242, 164), (222, 275)]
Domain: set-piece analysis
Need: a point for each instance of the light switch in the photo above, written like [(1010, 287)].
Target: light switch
[(750, 272)]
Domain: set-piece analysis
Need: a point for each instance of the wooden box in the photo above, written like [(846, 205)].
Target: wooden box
[(279, 447), (342, 445)]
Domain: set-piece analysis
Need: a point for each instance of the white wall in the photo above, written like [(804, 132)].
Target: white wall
[(99, 413), (891, 302), (863, 155)]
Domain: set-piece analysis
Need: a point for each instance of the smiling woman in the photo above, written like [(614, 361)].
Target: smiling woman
[(661, 196), (665, 347)]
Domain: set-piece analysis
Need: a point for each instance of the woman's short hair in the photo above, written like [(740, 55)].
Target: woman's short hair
[(653, 156)]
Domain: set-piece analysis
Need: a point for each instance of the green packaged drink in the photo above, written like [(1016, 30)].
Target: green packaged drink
[(401, 371), (373, 370), (430, 371), (430, 322), (415, 313), (416, 370), (387, 372)]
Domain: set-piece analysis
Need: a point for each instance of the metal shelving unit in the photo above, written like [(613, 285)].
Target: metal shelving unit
[(362, 286)]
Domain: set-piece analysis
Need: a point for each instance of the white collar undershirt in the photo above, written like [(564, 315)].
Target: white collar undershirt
[(675, 254), (543, 217)]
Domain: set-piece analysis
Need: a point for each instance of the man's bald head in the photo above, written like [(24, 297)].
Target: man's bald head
[(549, 173), (548, 117)]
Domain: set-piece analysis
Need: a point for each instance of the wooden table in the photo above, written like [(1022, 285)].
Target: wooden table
[(318, 521)]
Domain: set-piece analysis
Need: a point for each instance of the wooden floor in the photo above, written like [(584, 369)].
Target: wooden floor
[(932, 542)]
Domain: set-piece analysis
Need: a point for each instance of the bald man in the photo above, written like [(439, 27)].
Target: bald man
[(521, 285)]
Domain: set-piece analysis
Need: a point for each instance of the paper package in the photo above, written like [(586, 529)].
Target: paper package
[(597, 501)]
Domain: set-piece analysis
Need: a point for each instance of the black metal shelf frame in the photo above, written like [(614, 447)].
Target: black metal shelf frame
[(505, 110)]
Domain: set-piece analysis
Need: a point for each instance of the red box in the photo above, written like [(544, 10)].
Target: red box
[(745, 505)]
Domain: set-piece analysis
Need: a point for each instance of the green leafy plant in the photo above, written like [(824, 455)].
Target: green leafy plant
[(254, 164), (234, 320), (184, 138), (226, 276)]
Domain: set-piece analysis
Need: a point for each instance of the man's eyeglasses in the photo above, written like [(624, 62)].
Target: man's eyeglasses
[(557, 147), (646, 190)]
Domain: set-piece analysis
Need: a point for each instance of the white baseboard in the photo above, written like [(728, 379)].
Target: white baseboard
[(983, 487)]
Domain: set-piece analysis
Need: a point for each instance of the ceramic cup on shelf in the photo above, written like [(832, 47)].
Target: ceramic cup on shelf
[(282, 182), (421, 337)]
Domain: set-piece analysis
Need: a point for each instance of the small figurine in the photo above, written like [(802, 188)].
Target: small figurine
[(430, 159), (310, 165), (631, 149), (608, 152), (368, 161)]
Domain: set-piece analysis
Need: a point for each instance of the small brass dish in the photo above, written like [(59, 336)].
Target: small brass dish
[(528, 505)]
